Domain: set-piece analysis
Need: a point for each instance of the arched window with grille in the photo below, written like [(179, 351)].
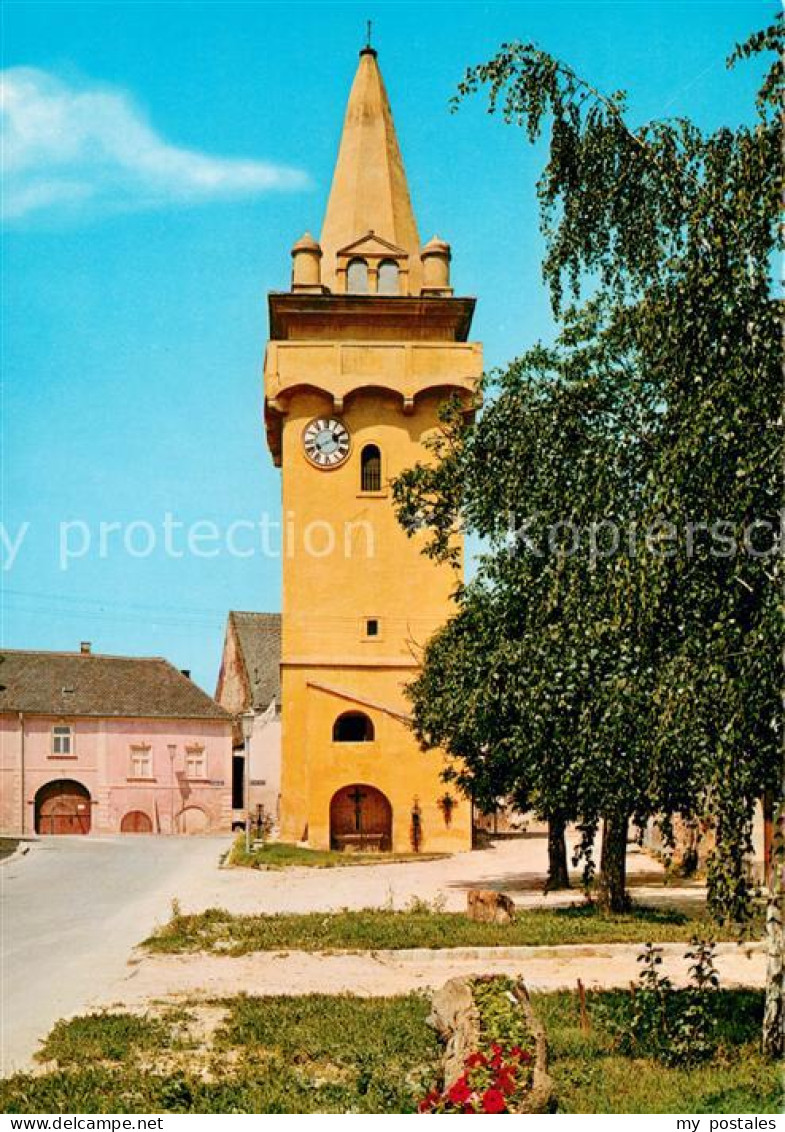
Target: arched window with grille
[(388, 277), (353, 727), (371, 468), (357, 277)]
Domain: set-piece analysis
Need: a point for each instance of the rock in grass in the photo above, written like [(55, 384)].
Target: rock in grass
[(489, 907)]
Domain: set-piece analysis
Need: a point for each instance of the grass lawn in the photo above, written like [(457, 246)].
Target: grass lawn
[(591, 1077), (371, 929), (318, 1053), (279, 855), (7, 846), (324, 1053)]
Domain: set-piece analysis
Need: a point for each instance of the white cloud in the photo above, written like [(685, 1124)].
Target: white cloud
[(64, 147)]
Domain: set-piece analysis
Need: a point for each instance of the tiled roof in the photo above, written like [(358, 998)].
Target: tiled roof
[(259, 637), (67, 683)]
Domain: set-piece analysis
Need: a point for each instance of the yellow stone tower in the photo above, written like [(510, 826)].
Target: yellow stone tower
[(363, 351)]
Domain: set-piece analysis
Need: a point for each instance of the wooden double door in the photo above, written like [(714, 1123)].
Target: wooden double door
[(360, 818), (63, 807), (136, 821)]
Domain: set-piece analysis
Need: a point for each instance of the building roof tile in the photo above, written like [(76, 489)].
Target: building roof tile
[(259, 637), (75, 683)]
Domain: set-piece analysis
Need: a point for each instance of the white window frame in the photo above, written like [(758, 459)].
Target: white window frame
[(62, 740), (141, 761), (196, 763)]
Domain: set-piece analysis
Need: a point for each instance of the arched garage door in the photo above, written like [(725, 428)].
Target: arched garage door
[(192, 820), (136, 821), (62, 806)]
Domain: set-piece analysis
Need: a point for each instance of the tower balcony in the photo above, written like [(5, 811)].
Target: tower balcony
[(339, 369)]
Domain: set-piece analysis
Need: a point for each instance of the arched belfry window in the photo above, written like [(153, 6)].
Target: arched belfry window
[(371, 468), (357, 277), (388, 277), (353, 727)]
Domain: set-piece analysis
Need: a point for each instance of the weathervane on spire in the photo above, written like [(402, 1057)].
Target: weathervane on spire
[(368, 49)]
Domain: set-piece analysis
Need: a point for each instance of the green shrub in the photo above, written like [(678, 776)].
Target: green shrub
[(501, 1017), (656, 1020)]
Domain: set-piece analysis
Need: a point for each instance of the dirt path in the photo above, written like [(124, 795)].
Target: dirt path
[(517, 866), (396, 972)]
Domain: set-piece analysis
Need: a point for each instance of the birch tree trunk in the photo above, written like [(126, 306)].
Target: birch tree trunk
[(612, 881), (558, 873), (774, 1010)]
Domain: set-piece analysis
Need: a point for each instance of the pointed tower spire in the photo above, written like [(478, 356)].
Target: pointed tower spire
[(369, 190)]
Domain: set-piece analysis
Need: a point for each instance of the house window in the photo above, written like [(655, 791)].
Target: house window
[(388, 277), (141, 762), (372, 627), (196, 762), (371, 468), (357, 277), (353, 727), (62, 740)]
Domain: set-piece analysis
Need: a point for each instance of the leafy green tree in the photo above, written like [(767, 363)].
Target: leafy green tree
[(547, 649), (659, 411)]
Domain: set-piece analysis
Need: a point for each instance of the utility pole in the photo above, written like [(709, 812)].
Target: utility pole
[(248, 722), (22, 771), (172, 749)]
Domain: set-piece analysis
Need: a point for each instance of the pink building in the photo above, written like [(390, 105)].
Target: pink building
[(108, 744)]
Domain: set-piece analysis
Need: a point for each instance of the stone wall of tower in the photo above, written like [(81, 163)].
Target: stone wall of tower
[(330, 664), (381, 364), (348, 559)]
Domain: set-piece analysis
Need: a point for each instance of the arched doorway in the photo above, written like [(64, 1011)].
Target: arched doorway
[(360, 818), (136, 821), (192, 820), (62, 806)]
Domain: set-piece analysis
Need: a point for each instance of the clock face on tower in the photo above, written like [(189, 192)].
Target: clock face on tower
[(326, 442)]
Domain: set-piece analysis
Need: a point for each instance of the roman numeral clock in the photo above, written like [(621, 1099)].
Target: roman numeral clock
[(326, 442)]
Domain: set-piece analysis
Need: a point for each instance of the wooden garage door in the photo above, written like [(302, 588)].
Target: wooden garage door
[(62, 807), (136, 821), (360, 818)]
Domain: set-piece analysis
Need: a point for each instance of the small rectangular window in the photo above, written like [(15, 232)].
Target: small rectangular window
[(141, 762), (196, 762), (372, 627), (62, 740)]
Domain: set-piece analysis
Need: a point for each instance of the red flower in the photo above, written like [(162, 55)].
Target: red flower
[(459, 1092), (505, 1081), (521, 1054), (493, 1101), (429, 1100), (476, 1059)]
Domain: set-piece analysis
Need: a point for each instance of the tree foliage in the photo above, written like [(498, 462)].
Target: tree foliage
[(616, 654)]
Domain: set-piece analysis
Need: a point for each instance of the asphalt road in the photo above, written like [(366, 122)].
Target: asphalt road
[(72, 910)]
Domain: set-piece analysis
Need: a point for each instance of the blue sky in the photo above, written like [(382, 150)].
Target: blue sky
[(160, 161)]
